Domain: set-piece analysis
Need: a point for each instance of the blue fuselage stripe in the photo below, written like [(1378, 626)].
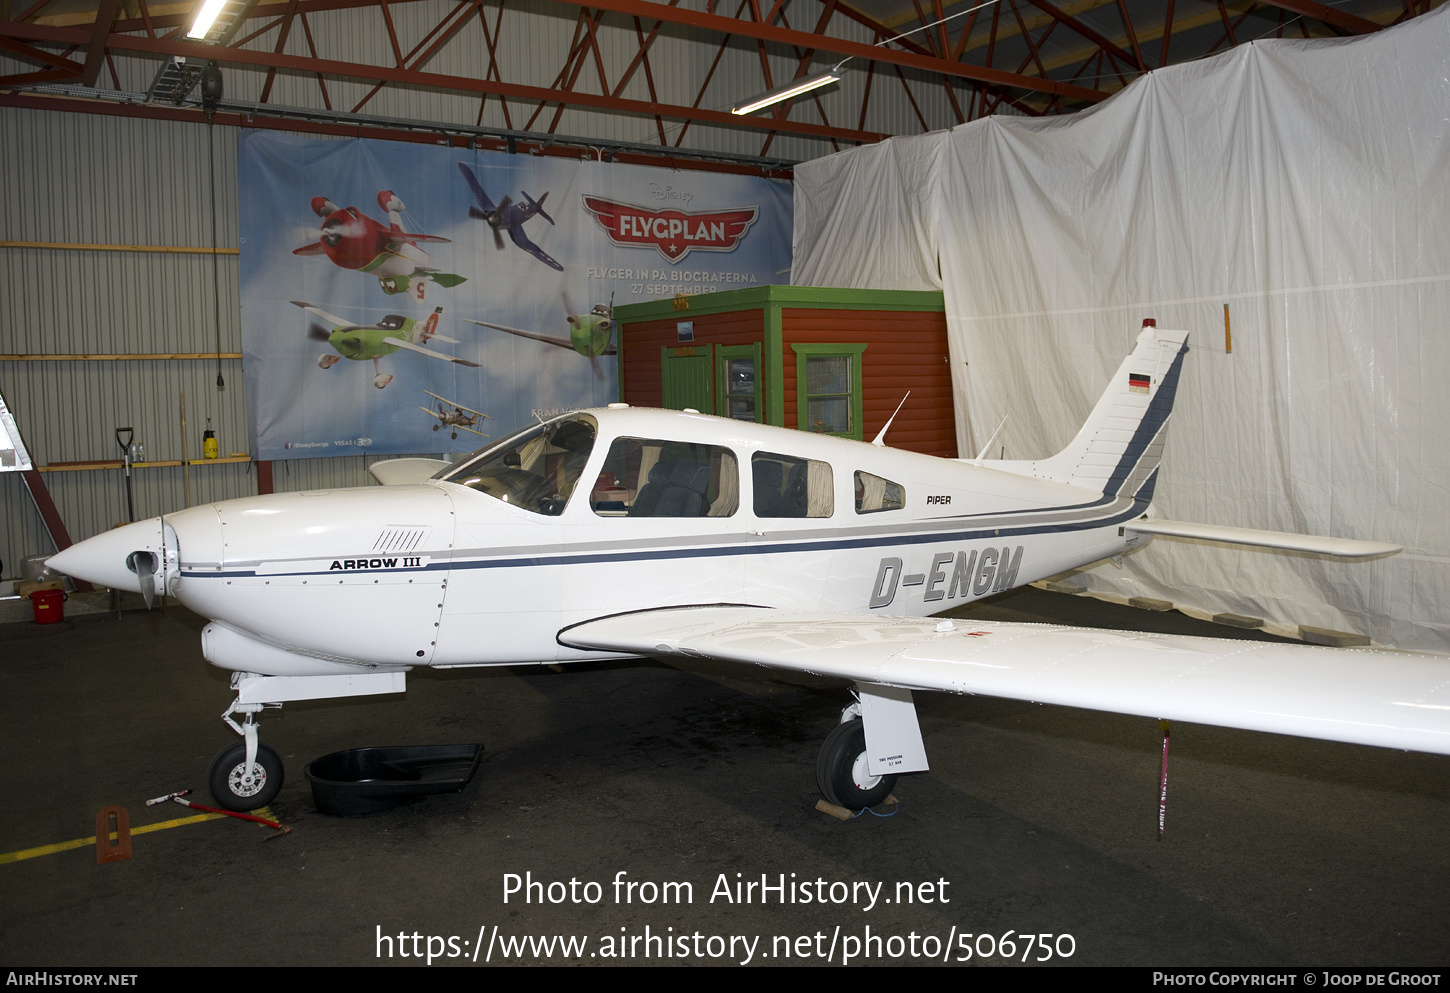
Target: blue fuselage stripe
[(632, 555)]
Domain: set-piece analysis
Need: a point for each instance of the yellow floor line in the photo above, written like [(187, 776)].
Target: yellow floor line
[(65, 846)]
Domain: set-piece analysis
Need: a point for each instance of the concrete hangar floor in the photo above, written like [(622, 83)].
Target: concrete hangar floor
[(691, 784)]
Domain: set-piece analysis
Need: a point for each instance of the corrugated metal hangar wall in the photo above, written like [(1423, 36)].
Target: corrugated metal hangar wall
[(133, 196), (91, 181)]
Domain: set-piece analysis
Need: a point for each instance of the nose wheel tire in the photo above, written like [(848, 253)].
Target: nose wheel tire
[(233, 788), (841, 770)]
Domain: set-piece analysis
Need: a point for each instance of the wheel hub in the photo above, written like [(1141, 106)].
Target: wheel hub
[(244, 785), (861, 775)]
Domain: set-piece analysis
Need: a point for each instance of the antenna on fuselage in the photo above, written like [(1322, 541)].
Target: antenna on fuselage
[(987, 447), (880, 440)]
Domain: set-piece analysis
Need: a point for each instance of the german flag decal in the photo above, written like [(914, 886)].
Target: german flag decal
[(1138, 383)]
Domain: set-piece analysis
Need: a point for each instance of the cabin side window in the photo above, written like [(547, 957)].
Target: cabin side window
[(786, 486), (645, 477), (536, 470), (874, 494)]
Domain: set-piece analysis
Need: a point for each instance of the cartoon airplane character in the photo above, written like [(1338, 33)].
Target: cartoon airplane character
[(353, 240), (591, 334), (373, 341), (679, 541), (509, 216), (458, 417)]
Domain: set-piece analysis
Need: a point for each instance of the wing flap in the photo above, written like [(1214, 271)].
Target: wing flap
[(1370, 697)]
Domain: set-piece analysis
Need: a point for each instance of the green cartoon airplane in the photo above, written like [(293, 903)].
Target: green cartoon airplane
[(591, 334), (373, 341)]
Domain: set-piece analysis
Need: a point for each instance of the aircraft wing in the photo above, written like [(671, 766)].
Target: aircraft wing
[(400, 343), (450, 403), (537, 336), (406, 237), (1369, 697), (336, 322), (522, 240), (484, 202), (1344, 548)]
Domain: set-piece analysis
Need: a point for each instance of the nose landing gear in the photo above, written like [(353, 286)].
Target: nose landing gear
[(239, 785), (246, 774)]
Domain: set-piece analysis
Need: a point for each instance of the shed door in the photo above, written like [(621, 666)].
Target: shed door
[(687, 375)]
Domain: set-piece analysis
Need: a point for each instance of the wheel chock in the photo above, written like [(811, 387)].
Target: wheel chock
[(112, 820), (842, 814)]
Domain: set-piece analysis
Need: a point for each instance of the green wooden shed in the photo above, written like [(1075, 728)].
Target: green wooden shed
[(815, 358)]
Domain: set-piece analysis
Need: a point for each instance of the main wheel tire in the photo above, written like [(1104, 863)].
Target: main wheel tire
[(228, 785), (841, 769)]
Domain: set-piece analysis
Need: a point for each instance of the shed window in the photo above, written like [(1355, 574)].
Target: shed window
[(828, 389)]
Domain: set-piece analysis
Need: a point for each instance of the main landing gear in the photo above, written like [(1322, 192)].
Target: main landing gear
[(841, 770), (381, 379)]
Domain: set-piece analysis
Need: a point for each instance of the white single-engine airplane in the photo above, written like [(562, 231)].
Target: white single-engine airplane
[(689, 535)]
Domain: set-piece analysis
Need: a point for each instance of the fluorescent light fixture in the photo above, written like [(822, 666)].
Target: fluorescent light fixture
[(204, 20), (792, 89)]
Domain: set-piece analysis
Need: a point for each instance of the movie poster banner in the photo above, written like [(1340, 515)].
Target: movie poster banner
[(403, 298)]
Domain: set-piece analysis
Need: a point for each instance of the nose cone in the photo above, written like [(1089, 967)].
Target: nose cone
[(107, 558)]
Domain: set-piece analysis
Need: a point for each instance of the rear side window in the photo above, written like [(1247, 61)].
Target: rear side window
[(645, 477), (874, 494), (786, 486)]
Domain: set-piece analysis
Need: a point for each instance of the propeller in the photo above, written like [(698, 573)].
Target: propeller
[(143, 564), (317, 332), (495, 221)]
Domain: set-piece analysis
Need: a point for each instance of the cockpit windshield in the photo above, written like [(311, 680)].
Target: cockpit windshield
[(536, 470)]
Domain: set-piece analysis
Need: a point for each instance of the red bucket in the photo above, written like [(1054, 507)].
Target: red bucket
[(48, 606)]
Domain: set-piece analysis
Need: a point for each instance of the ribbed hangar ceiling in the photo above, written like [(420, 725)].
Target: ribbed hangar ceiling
[(631, 77)]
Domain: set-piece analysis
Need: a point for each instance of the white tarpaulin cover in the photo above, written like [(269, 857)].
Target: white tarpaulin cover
[(1305, 186)]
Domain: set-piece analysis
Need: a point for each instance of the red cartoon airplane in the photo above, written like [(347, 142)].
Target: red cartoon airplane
[(353, 240)]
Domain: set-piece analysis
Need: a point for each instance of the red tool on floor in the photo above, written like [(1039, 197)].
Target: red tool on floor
[(180, 798)]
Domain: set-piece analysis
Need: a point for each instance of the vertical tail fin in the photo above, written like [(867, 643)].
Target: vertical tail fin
[(1118, 449)]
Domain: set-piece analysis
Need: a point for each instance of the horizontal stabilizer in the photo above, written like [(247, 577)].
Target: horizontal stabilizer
[(1344, 548), (401, 472)]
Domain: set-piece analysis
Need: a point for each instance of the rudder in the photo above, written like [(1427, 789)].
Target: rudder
[(1119, 447)]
